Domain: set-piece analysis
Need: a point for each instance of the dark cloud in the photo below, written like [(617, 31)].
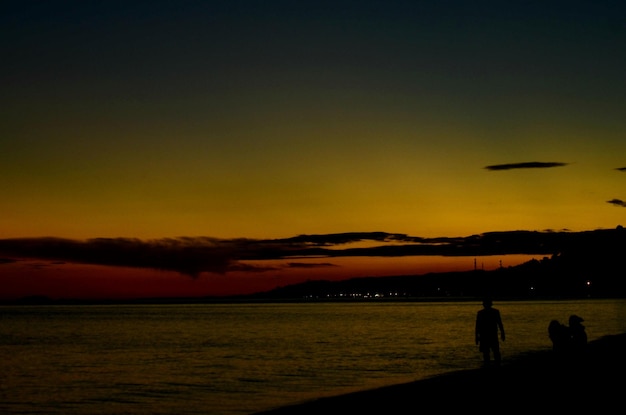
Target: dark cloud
[(621, 169), (617, 202), (194, 255), (186, 255), (525, 165)]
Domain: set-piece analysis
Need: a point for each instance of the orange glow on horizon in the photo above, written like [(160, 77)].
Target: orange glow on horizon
[(80, 281)]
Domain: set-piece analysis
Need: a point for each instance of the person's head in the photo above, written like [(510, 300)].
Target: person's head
[(487, 302), (554, 324), (575, 320)]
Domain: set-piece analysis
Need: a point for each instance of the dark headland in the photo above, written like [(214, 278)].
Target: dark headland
[(539, 381)]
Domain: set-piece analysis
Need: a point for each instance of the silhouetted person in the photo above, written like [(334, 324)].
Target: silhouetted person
[(488, 322), (560, 336), (578, 335)]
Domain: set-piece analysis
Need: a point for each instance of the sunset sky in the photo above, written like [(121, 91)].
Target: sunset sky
[(205, 121)]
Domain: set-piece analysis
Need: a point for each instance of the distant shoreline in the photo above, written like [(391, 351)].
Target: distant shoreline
[(32, 301)]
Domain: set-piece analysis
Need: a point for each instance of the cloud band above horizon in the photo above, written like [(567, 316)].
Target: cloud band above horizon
[(194, 255)]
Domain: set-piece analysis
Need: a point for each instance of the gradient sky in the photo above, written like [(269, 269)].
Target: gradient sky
[(270, 119)]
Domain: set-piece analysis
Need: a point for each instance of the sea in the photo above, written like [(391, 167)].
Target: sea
[(240, 358)]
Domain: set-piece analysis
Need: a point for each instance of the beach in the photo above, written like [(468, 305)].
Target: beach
[(544, 380)]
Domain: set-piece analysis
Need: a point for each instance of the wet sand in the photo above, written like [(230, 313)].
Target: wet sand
[(538, 381)]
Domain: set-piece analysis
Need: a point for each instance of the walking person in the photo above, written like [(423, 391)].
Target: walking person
[(488, 323)]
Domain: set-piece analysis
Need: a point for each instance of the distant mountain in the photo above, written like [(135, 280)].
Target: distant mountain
[(585, 264)]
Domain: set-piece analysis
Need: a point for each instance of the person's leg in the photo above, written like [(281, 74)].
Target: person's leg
[(486, 356), (496, 354)]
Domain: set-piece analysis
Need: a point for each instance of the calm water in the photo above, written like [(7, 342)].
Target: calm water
[(227, 359)]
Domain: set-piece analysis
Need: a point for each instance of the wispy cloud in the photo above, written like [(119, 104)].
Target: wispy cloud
[(617, 202), (525, 165), (621, 168), (306, 265)]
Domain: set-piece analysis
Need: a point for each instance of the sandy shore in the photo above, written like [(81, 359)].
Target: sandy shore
[(539, 381)]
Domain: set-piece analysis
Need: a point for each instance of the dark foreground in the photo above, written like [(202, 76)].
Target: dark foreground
[(539, 381)]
